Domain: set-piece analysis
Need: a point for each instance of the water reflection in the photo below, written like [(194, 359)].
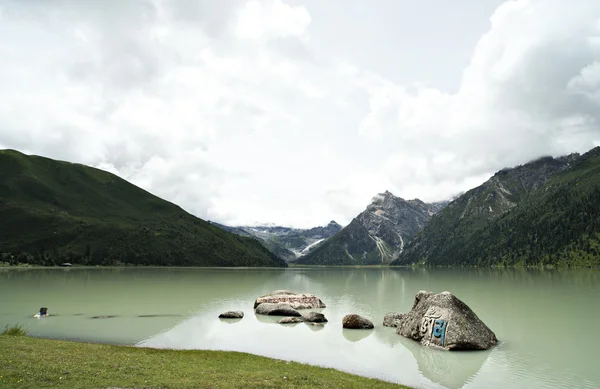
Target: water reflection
[(356, 335), (450, 369), (541, 317)]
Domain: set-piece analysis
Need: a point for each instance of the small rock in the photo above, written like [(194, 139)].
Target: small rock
[(314, 317), (356, 322), (276, 310), (316, 324), (290, 320), (232, 315), (391, 319)]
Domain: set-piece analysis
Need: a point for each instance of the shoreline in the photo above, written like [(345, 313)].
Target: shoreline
[(292, 266), (42, 362)]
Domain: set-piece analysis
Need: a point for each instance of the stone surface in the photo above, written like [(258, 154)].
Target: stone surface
[(281, 309), (444, 321), (232, 315), (295, 300), (391, 319), (290, 320), (314, 317), (356, 322)]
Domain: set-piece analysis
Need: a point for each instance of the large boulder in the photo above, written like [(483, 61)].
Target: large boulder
[(356, 322), (276, 310), (443, 321), (314, 317), (391, 319), (295, 300), (232, 315)]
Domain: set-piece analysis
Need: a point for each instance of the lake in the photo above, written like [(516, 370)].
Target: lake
[(545, 320)]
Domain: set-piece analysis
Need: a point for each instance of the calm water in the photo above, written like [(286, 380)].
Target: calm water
[(546, 320)]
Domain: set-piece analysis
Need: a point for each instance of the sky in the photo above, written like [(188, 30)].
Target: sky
[(297, 112)]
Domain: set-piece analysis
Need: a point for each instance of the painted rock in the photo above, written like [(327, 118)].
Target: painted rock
[(295, 300), (444, 321)]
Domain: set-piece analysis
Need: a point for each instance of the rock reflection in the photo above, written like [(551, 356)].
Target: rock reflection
[(356, 335), (452, 369), (229, 321)]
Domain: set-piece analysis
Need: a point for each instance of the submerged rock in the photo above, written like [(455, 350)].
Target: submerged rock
[(444, 321), (314, 317), (391, 319), (356, 322), (295, 300), (276, 310), (232, 315), (290, 320)]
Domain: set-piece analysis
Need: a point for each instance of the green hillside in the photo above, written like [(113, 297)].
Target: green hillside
[(543, 213), (55, 212)]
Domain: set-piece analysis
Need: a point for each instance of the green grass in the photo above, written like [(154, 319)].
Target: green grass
[(44, 363), (16, 330)]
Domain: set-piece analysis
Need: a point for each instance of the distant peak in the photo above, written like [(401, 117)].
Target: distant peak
[(333, 223)]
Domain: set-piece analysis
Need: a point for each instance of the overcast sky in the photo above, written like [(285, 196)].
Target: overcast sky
[(296, 112)]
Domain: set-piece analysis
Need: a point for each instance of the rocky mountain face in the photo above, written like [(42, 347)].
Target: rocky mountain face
[(287, 243), (543, 212), (378, 235)]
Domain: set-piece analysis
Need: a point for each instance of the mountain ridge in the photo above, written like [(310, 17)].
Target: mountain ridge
[(287, 242), (377, 235), (55, 211), (505, 220)]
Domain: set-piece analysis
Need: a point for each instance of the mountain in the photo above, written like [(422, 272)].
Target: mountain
[(546, 212), (55, 212), (287, 243), (377, 235)]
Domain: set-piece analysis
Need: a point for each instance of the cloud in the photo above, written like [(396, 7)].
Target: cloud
[(234, 111), (530, 90)]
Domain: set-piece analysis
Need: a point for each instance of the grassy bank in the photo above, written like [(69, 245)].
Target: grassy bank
[(27, 362)]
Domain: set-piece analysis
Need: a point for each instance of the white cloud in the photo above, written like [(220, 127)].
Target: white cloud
[(233, 110), (271, 19), (530, 90)]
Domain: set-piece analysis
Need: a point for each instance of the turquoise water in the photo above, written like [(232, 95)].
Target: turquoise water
[(545, 320)]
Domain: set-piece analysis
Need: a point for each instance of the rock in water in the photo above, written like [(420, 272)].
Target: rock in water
[(314, 317), (391, 319), (356, 322), (276, 310), (290, 320), (443, 321), (232, 315), (295, 300)]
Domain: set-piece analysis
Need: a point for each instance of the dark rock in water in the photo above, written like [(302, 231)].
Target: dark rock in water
[(232, 315), (314, 317), (356, 322), (443, 321), (290, 320), (391, 319), (103, 317), (295, 300), (276, 310), (314, 324)]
